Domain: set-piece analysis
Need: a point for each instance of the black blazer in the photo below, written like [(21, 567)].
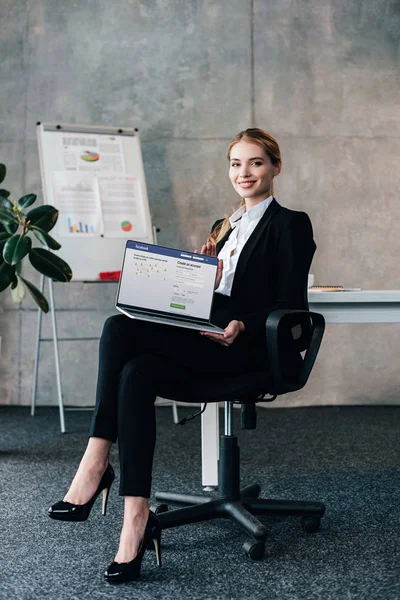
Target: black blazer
[(272, 270)]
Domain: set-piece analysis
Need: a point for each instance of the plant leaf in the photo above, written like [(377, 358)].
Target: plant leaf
[(50, 265), (46, 239), (3, 172), (37, 296), (4, 201), (4, 193), (7, 215), (44, 217), (16, 248), (4, 235), (12, 228), (26, 201), (7, 275)]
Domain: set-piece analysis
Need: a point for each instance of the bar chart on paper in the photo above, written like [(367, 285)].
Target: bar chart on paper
[(80, 227)]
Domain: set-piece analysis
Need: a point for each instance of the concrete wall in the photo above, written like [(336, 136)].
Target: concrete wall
[(321, 75)]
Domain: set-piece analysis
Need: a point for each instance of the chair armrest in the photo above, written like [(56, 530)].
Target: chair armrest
[(279, 326)]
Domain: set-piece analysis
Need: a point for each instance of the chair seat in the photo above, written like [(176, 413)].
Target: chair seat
[(187, 387)]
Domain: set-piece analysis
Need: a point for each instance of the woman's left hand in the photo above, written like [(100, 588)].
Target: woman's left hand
[(228, 337)]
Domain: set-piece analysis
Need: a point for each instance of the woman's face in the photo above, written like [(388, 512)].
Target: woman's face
[(251, 171)]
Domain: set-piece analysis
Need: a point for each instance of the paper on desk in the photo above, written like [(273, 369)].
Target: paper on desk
[(334, 289)]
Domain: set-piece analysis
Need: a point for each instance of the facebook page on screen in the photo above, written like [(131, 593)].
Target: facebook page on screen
[(167, 280)]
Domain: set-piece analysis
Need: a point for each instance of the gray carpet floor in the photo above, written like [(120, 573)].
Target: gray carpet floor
[(348, 457)]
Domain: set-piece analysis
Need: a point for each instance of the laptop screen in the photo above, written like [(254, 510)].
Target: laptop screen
[(166, 280)]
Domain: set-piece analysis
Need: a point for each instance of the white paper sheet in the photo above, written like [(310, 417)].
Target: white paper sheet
[(122, 206), (76, 196), (93, 153)]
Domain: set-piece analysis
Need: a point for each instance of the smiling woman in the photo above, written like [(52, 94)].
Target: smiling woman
[(264, 252), (254, 160)]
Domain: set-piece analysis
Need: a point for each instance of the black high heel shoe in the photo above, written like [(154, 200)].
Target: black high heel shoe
[(66, 511), (130, 571)]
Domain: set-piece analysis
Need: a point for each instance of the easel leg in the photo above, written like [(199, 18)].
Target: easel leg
[(37, 351), (174, 405), (56, 356)]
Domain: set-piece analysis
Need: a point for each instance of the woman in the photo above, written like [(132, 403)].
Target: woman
[(265, 253)]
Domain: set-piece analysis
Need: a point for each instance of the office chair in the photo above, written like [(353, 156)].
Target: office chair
[(296, 333)]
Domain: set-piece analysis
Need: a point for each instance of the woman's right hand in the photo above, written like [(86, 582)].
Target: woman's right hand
[(211, 250)]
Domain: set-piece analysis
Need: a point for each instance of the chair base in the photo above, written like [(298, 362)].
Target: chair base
[(239, 505)]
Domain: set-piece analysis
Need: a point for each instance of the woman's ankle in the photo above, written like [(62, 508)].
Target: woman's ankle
[(135, 507), (93, 464), (97, 453)]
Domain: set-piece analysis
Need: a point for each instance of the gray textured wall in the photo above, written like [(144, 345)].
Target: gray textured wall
[(321, 75)]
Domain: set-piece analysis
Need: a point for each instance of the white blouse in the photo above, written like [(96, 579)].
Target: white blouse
[(243, 224)]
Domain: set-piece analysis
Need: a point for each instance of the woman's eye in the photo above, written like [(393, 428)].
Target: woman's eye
[(257, 163), (234, 164)]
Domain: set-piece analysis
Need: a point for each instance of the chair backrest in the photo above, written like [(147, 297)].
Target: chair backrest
[(288, 333)]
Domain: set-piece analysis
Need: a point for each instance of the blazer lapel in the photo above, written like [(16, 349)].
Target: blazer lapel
[(250, 245)]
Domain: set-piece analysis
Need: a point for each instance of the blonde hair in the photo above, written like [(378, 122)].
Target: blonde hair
[(269, 144)]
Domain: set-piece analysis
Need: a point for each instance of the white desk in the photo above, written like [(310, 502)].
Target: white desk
[(366, 306)]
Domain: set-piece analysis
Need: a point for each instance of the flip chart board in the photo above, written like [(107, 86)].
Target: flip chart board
[(94, 176)]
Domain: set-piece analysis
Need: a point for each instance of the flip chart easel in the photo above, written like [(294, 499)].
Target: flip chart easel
[(94, 176)]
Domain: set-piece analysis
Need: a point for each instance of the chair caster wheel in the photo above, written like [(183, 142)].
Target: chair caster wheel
[(161, 508), (310, 524), (254, 550)]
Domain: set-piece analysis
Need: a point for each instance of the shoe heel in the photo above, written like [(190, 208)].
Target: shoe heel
[(157, 548), (104, 503), (152, 537)]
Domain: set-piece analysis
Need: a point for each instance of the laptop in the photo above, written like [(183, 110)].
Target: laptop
[(167, 286)]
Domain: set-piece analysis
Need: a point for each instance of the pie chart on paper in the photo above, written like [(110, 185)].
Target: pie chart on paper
[(126, 226), (89, 156)]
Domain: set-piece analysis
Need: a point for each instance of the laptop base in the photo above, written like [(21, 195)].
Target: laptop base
[(171, 321)]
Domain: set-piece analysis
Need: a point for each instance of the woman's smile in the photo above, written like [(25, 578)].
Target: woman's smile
[(246, 184)]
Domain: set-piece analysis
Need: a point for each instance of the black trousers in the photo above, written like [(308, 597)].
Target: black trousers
[(135, 358)]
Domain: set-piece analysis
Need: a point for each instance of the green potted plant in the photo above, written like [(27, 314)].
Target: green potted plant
[(16, 228)]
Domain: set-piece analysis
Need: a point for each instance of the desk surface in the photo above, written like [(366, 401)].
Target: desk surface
[(359, 296), (365, 306)]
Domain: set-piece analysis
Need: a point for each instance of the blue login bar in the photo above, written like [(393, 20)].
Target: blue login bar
[(162, 250)]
